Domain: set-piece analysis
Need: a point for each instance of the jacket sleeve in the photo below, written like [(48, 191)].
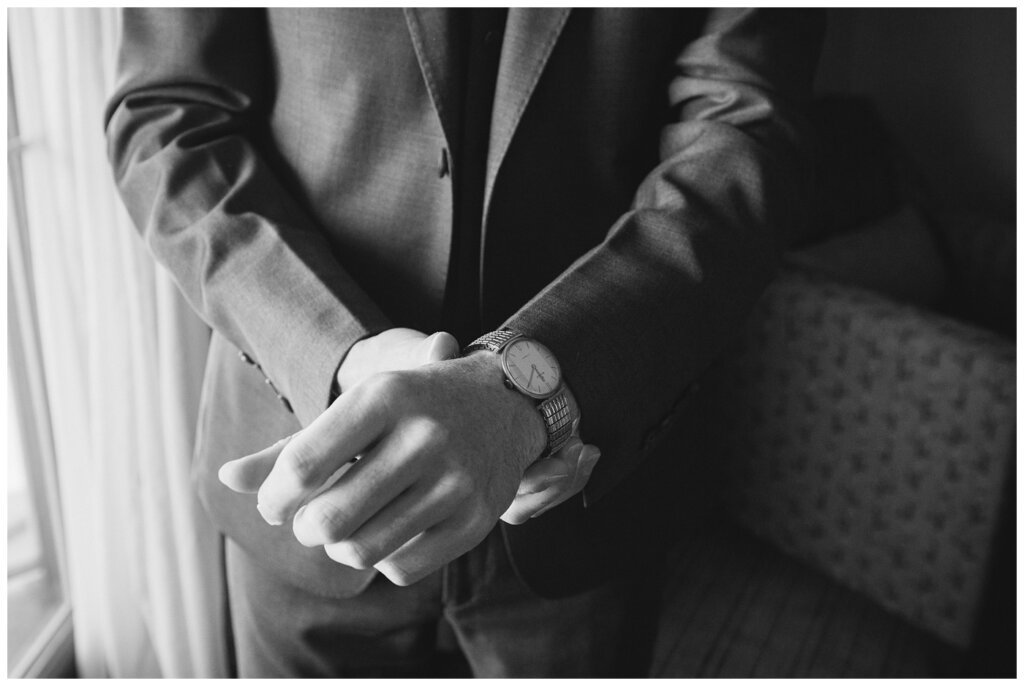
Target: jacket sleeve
[(636, 320), (183, 129)]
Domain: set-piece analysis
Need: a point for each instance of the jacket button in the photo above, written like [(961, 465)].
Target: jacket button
[(444, 167)]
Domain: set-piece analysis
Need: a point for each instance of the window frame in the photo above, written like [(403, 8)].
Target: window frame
[(51, 651)]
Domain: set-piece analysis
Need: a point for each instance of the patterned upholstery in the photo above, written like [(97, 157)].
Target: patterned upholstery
[(871, 440)]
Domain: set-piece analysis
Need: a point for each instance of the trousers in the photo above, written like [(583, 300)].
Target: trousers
[(502, 628)]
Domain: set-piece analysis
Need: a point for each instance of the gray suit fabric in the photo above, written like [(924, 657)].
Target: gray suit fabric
[(644, 168)]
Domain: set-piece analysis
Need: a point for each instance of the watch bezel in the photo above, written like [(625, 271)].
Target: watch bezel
[(508, 374)]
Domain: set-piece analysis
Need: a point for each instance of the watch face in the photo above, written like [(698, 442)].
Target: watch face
[(532, 368)]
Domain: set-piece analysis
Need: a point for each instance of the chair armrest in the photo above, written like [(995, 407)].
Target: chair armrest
[(871, 440)]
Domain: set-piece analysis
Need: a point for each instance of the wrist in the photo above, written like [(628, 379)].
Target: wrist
[(531, 369), (516, 408)]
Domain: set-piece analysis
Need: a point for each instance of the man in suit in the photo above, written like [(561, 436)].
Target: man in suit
[(597, 194)]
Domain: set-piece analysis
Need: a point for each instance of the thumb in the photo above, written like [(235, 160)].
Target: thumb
[(439, 347), (247, 474)]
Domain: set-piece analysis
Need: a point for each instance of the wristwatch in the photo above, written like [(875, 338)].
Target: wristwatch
[(532, 369)]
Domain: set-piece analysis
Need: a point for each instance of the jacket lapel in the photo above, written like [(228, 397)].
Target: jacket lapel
[(438, 44), (530, 36)]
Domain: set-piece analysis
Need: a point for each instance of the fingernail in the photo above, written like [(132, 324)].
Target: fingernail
[(590, 458), (272, 521)]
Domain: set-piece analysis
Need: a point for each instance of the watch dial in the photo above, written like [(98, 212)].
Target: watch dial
[(532, 367)]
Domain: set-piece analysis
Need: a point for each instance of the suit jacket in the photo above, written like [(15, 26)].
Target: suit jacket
[(293, 169)]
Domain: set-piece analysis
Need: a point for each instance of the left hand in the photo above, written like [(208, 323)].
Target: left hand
[(443, 448)]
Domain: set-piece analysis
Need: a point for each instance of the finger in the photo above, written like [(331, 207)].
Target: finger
[(439, 347), (245, 474), (410, 514), (544, 473), (427, 552), (588, 460), (363, 491), (313, 455), (525, 506), (544, 482)]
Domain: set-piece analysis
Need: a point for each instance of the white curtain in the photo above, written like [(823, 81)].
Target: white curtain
[(123, 358)]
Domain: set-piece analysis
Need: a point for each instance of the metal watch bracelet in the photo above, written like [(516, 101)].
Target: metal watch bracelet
[(556, 411)]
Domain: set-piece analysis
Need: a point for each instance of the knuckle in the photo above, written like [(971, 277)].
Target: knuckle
[(327, 520), (427, 434), (466, 484), (458, 484), (478, 524), (436, 434), (300, 459), (385, 385), (393, 390)]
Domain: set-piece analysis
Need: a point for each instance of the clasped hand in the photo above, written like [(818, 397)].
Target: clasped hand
[(415, 461)]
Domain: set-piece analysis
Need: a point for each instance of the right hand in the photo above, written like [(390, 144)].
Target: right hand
[(553, 480)]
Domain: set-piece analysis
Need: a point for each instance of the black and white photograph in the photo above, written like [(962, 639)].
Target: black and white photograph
[(511, 342)]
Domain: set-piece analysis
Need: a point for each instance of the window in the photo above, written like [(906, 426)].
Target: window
[(38, 612), (37, 609)]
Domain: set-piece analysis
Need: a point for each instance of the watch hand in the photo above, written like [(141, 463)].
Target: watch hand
[(533, 369)]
